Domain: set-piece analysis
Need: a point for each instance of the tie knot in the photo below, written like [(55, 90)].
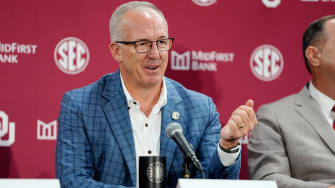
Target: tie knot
[(333, 109)]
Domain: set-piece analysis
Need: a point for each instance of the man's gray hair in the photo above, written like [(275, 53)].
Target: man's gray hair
[(116, 19)]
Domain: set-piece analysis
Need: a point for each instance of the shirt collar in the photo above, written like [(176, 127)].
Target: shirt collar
[(162, 98), (326, 103)]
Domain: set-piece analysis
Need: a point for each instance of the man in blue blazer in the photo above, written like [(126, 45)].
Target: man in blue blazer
[(105, 126)]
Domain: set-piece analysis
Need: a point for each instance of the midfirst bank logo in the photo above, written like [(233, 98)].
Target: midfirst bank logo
[(198, 60), (266, 62), (71, 55), (46, 131), (271, 3), (6, 128), (204, 3), (9, 52)]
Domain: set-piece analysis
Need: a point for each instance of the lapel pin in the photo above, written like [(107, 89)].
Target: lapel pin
[(175, 115)]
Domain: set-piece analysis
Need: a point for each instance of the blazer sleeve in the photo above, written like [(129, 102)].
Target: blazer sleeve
[(267, 156), (74, 165), (208, 149)]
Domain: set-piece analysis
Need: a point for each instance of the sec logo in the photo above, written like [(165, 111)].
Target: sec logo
[(204, 3), (71, 55), (271, 3), (155, 172), (266, 62)]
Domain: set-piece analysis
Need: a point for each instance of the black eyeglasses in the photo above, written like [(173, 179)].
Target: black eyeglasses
[(144, 46)]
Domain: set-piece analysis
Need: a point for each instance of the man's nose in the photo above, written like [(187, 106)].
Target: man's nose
[(154, 51)]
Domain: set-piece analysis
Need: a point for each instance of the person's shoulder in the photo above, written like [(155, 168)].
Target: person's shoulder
[(287, 102), (183, 92), (283, 101), (93, 89)]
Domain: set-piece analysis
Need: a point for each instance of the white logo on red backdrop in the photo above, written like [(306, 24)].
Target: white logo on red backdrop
[(271, 3), (46, 131), (9, 52), (180, 61), (199, 60), (71, 55), (266, 62), (204, 3), (6, 128)]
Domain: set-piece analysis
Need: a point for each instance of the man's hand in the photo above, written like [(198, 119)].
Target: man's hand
[(332, 186), (241, 122)]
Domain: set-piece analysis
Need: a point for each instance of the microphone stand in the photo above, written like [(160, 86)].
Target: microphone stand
[(186, 167)]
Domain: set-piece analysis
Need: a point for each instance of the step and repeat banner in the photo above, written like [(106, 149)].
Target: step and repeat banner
[(228, 49)]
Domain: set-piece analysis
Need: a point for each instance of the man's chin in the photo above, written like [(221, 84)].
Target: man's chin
[(153, 82)]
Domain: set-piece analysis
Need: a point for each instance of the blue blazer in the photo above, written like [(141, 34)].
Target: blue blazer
[(95, 146)]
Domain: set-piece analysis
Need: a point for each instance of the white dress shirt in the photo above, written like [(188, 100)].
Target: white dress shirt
[(147, 130), (326, 103)]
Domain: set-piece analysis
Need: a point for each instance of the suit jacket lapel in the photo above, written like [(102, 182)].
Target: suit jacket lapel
[(167, 145), (309, 110), (116, 111)]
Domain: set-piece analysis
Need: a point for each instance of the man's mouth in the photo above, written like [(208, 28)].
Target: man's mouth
[(152, 67)]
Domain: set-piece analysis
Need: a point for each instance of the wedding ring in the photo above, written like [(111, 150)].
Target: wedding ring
[(241, 126)]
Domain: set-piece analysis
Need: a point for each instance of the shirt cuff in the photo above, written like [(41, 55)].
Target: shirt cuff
[(228, 159)]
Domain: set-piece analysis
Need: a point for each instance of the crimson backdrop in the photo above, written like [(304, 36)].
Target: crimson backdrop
[(230, 50)]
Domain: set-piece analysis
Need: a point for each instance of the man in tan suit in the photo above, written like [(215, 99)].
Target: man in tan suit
[(294, 141)]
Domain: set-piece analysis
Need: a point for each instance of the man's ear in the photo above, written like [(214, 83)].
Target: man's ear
[(115, 51), (313, 55)]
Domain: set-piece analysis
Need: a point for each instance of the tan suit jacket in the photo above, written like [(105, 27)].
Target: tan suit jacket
[(293, 144)]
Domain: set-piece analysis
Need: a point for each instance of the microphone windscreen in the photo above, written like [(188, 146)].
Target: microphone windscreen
[(172, 128)]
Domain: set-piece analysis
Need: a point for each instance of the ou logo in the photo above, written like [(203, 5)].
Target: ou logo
[(271, 3), (266, 62), (6, 128), (71, 55)]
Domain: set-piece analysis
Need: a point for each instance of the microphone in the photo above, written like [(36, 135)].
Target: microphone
[(175, 132)]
